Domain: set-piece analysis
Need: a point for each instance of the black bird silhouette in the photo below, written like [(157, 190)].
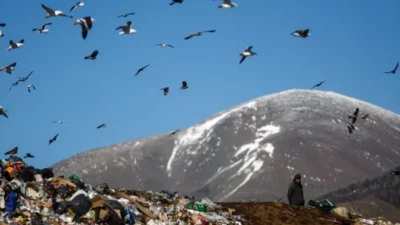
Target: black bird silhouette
[(394, 70), (176, 1), (29, 155), (199, 34), (141, 69), (354, 116), (12, 151), (350, 127), (395, 172), (103, 125), (53, 139), (93, 55), (319, 84), (23, 79), (184, 85), (125, 15), (173, 133), (14, 84), (365, 116), (166, 90), (301, 33)]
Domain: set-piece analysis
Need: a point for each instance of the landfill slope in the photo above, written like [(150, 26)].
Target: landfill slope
[(253, 150)]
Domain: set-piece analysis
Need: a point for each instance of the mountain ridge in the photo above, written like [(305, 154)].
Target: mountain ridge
[(298, 128)]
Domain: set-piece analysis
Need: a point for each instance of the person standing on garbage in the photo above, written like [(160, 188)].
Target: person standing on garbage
[(295, 192)]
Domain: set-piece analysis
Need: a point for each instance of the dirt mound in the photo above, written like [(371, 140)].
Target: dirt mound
[(271, 213)]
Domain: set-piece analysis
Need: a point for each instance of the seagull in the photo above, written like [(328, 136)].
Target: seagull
[(53, 13), (29, 87), (12, 151), (14, 84), (227, 4), (395, 172), (394, 70), (103, 125), (2, 25), (93, 55), (247, 52), (43, 29), (79, 4), (53, 139), (354, 116), (199, 34), (301, 33), (166, 90), (141, 69), (9, 68), (14, 45), (350, 127), (176, 1), (125, 15), (59, 121), (126, 29), (173, 133), (164, 45), (319, 84), (86, 24), (2, 112), (184, 85), (29, 155), (23, 79)]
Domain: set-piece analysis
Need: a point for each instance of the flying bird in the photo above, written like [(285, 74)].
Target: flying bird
[(3, 112), (184, 85), (12, 151), (44, 28), (53, 13), (29, 155), (350, 128), (164, 45), (14, 45), (53, 139), (394, 70), (199, 34), (86, 25), (301, 33), (103, 125), (93, 55), (9, 68), (365, 116), (23, 79), (2, 25), (125, 15), (173, 133), (227, 4), (141, 69), (176, 1), (354, 116), (166, 90), (246, 53), (59, 121), (14, 84), (319, 84), (126, 29), (29, 87), (78, 4), (395, 172)]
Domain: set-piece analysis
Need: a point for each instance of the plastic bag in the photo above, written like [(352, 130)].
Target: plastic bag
[(80, 205)]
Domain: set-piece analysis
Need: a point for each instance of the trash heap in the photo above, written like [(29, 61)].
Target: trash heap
[(37, 197)]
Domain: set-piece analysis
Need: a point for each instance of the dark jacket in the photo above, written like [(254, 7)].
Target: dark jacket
[(295, 193)]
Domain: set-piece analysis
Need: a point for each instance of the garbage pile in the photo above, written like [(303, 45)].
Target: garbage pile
[(35, 196)]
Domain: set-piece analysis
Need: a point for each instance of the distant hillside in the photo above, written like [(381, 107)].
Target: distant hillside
[(253, 150), (379, 196)]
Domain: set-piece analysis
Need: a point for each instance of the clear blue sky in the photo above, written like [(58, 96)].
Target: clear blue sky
[(352, 43)]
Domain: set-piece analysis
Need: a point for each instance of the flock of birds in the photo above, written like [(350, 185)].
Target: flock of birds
[(86, 24)]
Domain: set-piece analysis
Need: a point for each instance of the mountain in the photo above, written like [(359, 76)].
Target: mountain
[(375, 197), (253, 150)]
